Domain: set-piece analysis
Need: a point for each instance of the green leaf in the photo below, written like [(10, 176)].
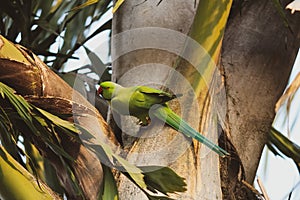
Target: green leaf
[(75, 182), (8, 136), (18, 182), (51, 28), (87, 3), (56, 6), (105, 26), (19, 103), (287, 147), (41, 123), (160, 179), (154, 178), (44, 125), (10, 51), (42, 23), (163, 179), (58, 121), (110, 191), (98, 66), (134, 172), (207, 30)]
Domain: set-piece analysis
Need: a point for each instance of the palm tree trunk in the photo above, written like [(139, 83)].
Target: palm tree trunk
[(255, 63), (146, 46), (258, 54)]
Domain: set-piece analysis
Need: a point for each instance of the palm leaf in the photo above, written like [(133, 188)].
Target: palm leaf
[(163, 179), (42, 23), (286, 146), (19, 183), (43, 125), (117, 5), (85, 4), (144, 177), (110, 191), (9, 136), (37, 123)]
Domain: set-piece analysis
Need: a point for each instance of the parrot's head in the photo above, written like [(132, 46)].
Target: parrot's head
[(107, 90)]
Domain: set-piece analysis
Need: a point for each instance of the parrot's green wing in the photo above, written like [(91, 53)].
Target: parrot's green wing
[(152, 91), (145, 97)]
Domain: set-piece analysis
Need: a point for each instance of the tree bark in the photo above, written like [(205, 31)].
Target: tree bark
[(140, 57), (256, 61), (258, 54)]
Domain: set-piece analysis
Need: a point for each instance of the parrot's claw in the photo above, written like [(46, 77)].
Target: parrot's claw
[(141, 123), (145, 121)]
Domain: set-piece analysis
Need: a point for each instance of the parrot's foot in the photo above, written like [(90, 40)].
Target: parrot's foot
[(145, 121)]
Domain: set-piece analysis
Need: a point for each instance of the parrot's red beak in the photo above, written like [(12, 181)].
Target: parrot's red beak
[(99, 91)]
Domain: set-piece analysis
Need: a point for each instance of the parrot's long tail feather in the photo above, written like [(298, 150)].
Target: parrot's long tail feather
[(166, 114)]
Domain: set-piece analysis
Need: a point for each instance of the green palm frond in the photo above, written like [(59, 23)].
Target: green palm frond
[(45, 126), (38, 25), (26, 119), (18, 183), (284, 145), (117, 5), (85, 4), (109, 191), (277, 139)]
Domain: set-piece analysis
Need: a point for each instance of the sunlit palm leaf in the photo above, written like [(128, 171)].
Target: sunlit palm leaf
[(8, 48), (85, 4), (19, 183), (117, 5)]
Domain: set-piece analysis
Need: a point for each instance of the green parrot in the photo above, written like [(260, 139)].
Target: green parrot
[(144, 103)]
